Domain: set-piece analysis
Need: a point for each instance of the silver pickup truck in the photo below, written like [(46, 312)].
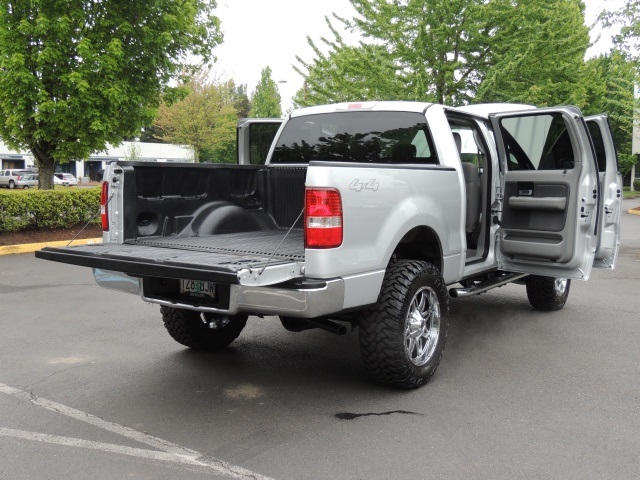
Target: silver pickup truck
[(365, 214)]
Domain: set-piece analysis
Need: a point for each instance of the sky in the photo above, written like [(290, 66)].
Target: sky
[(260, 33)]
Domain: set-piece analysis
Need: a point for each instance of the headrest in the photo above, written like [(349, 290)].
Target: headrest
[(403, 152)]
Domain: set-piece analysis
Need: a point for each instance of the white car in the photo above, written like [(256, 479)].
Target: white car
[(27, 181), (31, 180), (66, 179)]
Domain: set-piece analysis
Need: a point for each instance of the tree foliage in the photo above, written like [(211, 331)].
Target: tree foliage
[(365, 72), (266, 98), (78, 74), (626, 21), (205, 119), (241, 100), (537, 55), (610, 88), (452, 52)]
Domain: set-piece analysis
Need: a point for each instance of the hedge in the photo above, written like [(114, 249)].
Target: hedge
[(636, 185), (60, 208)]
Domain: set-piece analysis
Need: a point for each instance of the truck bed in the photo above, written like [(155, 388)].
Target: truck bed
[(216, 258)]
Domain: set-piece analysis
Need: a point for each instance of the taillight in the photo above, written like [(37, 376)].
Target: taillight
[(19, 177), (104, 211), (322, 218)]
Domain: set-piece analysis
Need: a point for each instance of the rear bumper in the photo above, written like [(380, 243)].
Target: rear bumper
[(303, 301)]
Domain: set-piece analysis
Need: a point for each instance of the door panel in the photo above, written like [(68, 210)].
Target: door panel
[(254, 138), (550, 192), (611, 189)]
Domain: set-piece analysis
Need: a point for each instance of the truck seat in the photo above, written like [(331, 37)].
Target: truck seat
[(474, 197)]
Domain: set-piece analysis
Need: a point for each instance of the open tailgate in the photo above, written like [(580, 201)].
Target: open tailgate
[(244, 258)]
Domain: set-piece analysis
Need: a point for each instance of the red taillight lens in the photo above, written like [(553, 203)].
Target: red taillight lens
[(322, 218), (104, 212)]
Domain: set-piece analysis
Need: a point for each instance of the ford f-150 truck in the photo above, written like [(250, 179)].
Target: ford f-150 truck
[(365, 214)]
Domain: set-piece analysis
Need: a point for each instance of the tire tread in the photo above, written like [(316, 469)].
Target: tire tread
[(382, 329)]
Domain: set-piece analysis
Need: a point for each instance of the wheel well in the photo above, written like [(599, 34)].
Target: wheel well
[(420, 243)]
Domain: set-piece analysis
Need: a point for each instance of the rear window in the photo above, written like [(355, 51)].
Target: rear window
[(364, 137)]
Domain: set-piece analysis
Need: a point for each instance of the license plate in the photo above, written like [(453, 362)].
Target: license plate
[(198, 288)]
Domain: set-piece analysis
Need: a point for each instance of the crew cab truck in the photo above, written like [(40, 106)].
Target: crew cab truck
[(365, 214)]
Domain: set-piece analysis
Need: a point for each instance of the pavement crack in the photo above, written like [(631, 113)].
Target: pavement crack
[(29, 388), (352, 416)]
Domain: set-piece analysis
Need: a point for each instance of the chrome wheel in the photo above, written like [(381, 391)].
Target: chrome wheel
[(560, 284), (402, 337), (422, 326)]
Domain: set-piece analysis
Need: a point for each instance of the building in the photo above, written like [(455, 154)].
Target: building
[(138, 151)]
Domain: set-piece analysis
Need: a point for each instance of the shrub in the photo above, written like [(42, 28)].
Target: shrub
[(58, 208), (636, 185)]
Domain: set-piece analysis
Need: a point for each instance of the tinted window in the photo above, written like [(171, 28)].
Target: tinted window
[(537, 142), (388, 137), (598, 144), (261, 137)]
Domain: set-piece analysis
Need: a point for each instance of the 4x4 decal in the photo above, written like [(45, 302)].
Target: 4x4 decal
[(358, 186)]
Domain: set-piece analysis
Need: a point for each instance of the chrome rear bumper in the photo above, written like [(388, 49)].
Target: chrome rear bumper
[(304, 302)]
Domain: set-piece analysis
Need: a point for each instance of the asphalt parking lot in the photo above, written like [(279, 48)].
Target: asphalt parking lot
[(92, 387)]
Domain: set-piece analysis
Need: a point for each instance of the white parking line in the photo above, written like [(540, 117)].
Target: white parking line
[(170, 451), (105, 447)]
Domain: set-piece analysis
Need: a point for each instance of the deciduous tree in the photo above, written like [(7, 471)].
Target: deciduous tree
[(344, 73), (537, 54), (78, 74), (610, 88), (452, 52), (205, 119)]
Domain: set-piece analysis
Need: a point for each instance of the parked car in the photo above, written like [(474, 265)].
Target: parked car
[(27, 181), (31, 180), (66, 177), (9, 177)]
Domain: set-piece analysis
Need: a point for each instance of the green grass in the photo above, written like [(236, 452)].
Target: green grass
[(627, 193)]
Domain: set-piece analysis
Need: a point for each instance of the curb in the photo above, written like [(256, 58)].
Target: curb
[(32, 247)]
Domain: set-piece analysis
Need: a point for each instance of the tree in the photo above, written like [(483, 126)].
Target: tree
[(345, 73), (611, 90), (537, 55), (205, 119), (438, 49), (627, 21), (241, 100), (266, 98), (621, 75), (78, 74), (452, 52)]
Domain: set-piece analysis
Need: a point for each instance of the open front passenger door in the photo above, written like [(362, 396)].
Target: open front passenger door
[(254, 138), (551, 194)]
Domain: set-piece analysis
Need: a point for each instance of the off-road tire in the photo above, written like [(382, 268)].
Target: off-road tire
[(547, 293), (191, 329), (384, 344)]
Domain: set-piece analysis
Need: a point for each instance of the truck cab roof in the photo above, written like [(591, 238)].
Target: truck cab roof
[(482, 109)]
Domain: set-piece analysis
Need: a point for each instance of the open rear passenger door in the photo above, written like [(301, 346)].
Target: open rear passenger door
[(551, 198), (611, 190)]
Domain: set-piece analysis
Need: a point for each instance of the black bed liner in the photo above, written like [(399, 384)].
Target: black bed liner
[(217, 258)]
